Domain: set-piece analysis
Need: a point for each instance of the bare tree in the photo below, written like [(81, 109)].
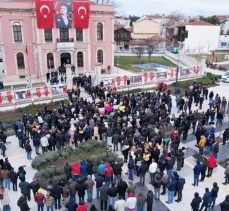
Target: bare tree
[(176, 16), (115, 3), (139, 50), (151, 46)]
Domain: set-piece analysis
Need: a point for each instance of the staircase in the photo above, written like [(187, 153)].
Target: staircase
[(181, 59)]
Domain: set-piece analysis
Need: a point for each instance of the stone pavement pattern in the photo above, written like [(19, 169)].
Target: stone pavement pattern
[(17, 157)]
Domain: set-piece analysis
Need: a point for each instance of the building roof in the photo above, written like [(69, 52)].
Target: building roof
[(156, 38), (193, 23), (137, 42)]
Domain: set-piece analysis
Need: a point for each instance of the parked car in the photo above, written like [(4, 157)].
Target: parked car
[(225, 77)]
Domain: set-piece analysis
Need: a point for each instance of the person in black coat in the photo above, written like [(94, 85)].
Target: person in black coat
[(99, 181), (25, 189), (13, 178), (195, 204), (142, 172), (22, 203), (56, 194), (122, 186), (149, 200), (180, 187), (203, 170), (34, 185), (71, 205), (214, 194), (68, 171), (81, 187), (225, 204)]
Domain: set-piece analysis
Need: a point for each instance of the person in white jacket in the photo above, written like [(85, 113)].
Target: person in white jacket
[(44, 143), (152, 171), (120, 204), (131, 202)]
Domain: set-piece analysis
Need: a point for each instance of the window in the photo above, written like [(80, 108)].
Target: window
[(50, 61), (48, 35), (100, 56), (20, 61), (64, 35), (17, 32), (99, 31), (80, 59), (79, 35)]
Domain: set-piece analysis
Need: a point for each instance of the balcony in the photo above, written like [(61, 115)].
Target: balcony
[(59, 40)]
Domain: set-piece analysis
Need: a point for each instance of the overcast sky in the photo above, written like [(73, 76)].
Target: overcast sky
[(188, 7)]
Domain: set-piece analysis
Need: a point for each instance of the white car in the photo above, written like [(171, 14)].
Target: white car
[(225, 77)]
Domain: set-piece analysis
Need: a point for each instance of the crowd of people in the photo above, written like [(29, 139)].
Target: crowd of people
[(143, 128)]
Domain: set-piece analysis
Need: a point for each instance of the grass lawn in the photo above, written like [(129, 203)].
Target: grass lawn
[(217, 57), (126, 62), (208, 81)]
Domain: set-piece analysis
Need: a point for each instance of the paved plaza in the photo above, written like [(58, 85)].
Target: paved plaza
[(17, 157)]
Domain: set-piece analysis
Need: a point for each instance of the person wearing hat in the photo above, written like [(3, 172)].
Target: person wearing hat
[(89, 184), (131, 202), (39, 198)]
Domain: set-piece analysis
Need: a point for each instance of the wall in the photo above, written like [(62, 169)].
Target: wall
[(202, 39), (145, 29)]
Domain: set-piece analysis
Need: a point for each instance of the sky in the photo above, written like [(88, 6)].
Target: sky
[(187, 7)]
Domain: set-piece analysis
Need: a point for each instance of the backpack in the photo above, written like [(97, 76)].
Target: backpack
[(21, 174)]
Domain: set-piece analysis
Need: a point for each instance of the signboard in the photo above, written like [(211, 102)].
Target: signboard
[(184, 72), (161, 75)]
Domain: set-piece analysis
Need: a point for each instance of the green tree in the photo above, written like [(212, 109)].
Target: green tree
[(211, 19)]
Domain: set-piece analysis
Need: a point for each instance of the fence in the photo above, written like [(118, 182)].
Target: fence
[(155, 77), (34, 94)]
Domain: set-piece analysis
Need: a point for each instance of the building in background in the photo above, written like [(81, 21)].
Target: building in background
[(31, 52), (122, 37), (195, 37), (122, 21)]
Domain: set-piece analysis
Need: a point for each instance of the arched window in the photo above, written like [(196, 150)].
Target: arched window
[(20, 61), (17, 32), (80, 59), (99, 31), (100, 56), (50, 61)]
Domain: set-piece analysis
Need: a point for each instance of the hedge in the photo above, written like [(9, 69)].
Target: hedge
[(93, 150)]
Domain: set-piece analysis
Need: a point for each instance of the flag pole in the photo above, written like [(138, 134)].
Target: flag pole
[(30, 80)]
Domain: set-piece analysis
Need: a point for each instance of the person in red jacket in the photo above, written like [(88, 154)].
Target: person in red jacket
[(39, 198), (76, 170), (108, 174), (211, 164), (82, 207)]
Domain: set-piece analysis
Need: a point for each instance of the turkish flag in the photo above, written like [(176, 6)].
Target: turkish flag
[(118, 79), (65, 89), (45, 17), (46, 91), (125, 79), (145, 77), (151, 76), (0, 98), (38, 92), (81, 10), (9, 96)]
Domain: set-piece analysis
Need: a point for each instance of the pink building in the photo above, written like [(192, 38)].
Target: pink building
[(29, 51)]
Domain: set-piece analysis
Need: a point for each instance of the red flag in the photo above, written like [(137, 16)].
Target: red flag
[(44, 14), (0, 98), (145, 77), (81, 10), (46, 91), (125, 79), (28, 94), (151, 76), (65, 89), (9, 96), (38, 92), (118, 79)]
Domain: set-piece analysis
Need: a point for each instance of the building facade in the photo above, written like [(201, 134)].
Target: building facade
[(122, 38), (31, 52), (196, 37)]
